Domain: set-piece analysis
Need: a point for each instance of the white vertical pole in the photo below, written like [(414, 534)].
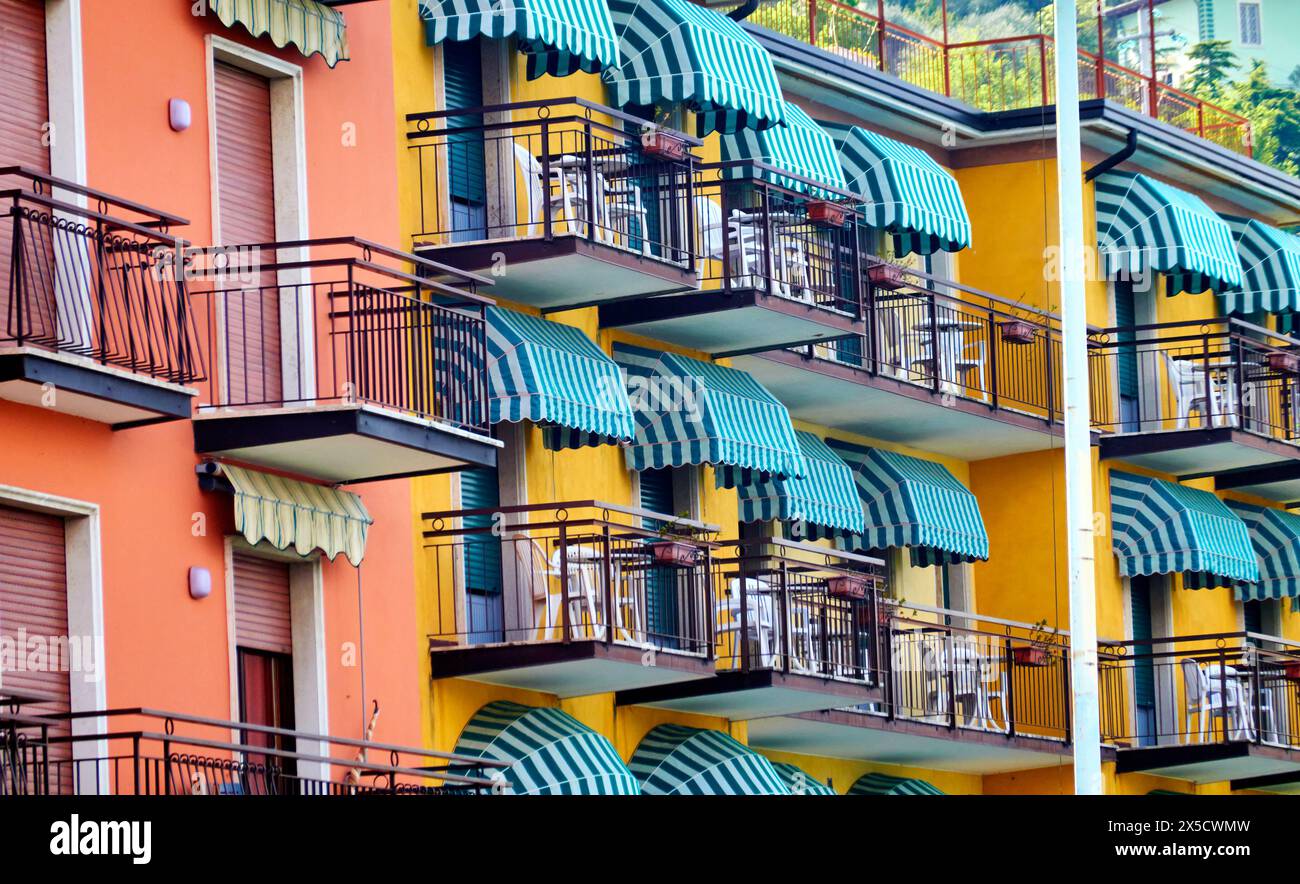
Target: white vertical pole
[(1085, 720)]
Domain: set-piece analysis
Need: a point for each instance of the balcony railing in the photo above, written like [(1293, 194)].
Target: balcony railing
[(342, 321), (954, 340), (140, 751), (1006, 73), (541, 169), (98, 281), (571, 571), (1191, 375), (1200, 689), (798, 608)]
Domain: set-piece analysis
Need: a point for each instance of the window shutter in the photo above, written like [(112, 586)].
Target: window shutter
[(479, 490), (463, 88), (1144, 681)]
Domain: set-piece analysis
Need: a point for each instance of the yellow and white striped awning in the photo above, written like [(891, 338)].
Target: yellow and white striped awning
[(308, 517), (312, 27)]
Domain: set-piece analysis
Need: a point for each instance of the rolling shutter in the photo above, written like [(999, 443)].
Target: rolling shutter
[(262, 619), (246, 211), (34, 599)]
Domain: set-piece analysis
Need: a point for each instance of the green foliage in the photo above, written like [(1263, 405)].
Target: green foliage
[(1212, 62), (1274, 113)]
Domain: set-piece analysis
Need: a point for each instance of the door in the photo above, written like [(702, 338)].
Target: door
[(1144, 672), (658, 493), (466, 160), (264, 654), (34, 610), (1127, 370), (246, 214), (484, 602)]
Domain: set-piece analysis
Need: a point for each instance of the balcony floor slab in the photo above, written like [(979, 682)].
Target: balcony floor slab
[(1209, 762), (746, 695)]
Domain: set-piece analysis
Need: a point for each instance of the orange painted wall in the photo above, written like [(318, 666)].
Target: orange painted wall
[(163, 648)]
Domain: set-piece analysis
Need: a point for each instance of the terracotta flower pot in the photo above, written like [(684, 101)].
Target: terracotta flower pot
[(1030, 655), (825, 213), (847, 586), (885, 276), (1016, 331), (663, 145), (675, 554), (1284, 363), (1292, 671)]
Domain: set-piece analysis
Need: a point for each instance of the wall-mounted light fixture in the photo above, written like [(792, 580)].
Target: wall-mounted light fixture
[(178, 114), (200, 582)]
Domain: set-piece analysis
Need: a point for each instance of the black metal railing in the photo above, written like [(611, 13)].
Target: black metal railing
[(140, 751), (1200, 689), (1194, 375), (798, 608), (342, 320), (953, 340), (763, 228), (576, 570), (99, 281), (541, 169)]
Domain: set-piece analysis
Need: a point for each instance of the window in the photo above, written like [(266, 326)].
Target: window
[(1248, 18)]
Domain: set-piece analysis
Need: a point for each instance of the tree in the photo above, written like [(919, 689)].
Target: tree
[(1274, 114), (1211, 60)]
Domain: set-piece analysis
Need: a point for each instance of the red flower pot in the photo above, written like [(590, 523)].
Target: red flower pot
[(1030, 655), (885, 276), (825, 213), (664, 145), (1016, 331), (675, 554), (1292, 671), (1284, 363), (847, 586)]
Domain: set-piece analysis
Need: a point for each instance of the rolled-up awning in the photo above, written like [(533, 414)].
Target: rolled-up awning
[(1275, 537), (287, 513), (1270, 269), (798, 781), (1144, 224), (884, 784), (554, 375), (677, 760), (825, 497), (905, 192), (310, 26), (675, 52), (798, 146), (560, 37), (549, 751), (1158, 527), (693, 412), (920, 504)]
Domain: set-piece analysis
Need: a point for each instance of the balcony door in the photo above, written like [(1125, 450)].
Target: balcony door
[(264, 653), (671, 491)]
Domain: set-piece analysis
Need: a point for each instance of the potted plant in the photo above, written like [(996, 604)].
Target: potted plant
[(1016, 331), (851, 587), (663, 143), (885, 276), (1038, 651), (825, 213), (1284, 362), (674, 548)]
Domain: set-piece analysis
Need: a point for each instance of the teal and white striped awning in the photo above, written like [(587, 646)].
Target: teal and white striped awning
[(905, 192), (1275, 536), (675, 52), (914, 503), (1270, 269), (797, 146), (1158, 527), (884, 784), (560, 37), (825, 498), (553, 374), (677, 760), (693, 412), (288, 513), (550, 752), (1147, 225), (310, 26), (799, 782)]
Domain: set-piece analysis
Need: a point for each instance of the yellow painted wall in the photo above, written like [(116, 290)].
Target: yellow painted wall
[(842, 773)]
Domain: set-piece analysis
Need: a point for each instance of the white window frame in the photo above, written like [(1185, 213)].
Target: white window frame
[(1242, 5)]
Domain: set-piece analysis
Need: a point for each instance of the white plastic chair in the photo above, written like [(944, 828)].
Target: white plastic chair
[(743, 240), (761, 613), (569, 203), (1194, 698), (582, 574), (1195, 391)]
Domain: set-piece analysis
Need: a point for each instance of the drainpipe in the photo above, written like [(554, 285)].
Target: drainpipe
[(743, 11), (1085, 720), (1130, 147)]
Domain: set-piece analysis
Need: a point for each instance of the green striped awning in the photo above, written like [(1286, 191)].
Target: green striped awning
[(799, 782), (1270, 269), (553, 374), (825, 498), (693, 412), (549, 751), (1275, 536), (884, 784), (1158, 527), (677, 760), (675, 52), (560, 37), (914, 503), (308, 517), (797, 146), (1144, 224), (905, 192), (312, 27)]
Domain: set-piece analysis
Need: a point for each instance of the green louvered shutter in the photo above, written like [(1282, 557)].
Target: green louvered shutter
[(657, 495), (483, 599), (466, 158), (1126, 366), (1253, 616), (1144, 673)]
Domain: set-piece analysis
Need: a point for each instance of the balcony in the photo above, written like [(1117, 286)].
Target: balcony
[(1000, 74), (93, 319), (139, 751), (777, 264), (508, 189), (571, 598), (1205, 708), (960, 692), (341, 360), (1200, 399), (942, 367), (793, 632)]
